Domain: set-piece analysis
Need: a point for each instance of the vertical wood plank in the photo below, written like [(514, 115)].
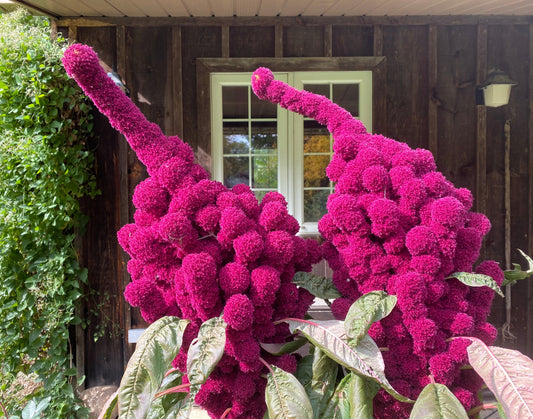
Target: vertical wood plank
[(278, 40), (225, 41), (529, 336), (481, 133), (177, 81), (378, 40), (104, 359), (328, 41), (123, 192), (73, 33), (353, 41), (432, 85)]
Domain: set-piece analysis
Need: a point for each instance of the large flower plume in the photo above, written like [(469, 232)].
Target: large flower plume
[(394, 223), (200, 250)]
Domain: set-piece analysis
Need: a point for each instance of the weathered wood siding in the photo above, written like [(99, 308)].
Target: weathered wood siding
[(432, 68)]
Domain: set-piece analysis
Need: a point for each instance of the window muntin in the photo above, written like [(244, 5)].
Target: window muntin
[(268, 148)]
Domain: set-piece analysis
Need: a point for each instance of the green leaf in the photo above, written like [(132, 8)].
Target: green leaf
[(366, 310), (320, 287), (323, 381), (361, 395), (517, 273), (156, 349), (507, 373), (109, 407), (339, 405), (33, 410), (436, 401), (364, 359), (278, 349), (285, 397), (477, 280), (206, 350)]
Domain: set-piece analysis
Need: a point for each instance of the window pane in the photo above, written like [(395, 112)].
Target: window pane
[(236, 171), (315, 171), (235, 138), (261, 194), (319, 89), (262, 108), (315, 205), (235, 101), (265, 172), (264, 137), (316, 138), (347, 97)]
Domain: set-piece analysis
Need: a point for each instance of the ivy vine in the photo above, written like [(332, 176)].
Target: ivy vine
[(46, 168)]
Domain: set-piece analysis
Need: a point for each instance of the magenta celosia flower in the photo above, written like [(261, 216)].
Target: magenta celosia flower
[(239, 312), (395, 223)]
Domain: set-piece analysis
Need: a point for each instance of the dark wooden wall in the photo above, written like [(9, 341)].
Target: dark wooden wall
[(433, 66)]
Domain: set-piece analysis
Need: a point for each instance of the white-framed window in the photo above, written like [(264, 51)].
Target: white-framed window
[(269, 148)]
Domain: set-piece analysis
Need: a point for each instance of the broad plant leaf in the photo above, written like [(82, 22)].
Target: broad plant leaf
[(436, 401), (319, 286), (507, 373), (109, 407), (477, 280), (278, 349), (304, 371), (156, 349), (167, 405), (206, 350), (517, 273), (366, 310), (338, 406), (364, 359), (361, 395), (202, 358), (285, 397), (323, 381)]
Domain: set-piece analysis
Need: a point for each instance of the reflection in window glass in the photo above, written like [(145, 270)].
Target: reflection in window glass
[(236, 170), (262, 108), (235, 101), (235, 138), (264, 137), (315, 171), (315, 204), (265, 172), (347, 97)]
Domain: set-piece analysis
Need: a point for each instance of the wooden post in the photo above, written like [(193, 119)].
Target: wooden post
[(278, 40), (432, 86), (225, 41), (328, 41), (481, 133), (123, 195), (378, 40), (529, 317), (177, 83)]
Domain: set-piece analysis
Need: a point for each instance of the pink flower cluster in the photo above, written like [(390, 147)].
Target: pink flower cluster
[(199, 250), (396, 224)]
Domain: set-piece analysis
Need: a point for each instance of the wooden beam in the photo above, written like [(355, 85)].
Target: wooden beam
[(481, 132), (433, 107), (298, 20)]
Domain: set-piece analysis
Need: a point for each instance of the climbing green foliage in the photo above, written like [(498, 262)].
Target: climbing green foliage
[(45, 125)]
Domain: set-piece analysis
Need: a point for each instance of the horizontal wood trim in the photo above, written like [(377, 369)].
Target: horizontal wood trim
[(289, 64), (299, 20)]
